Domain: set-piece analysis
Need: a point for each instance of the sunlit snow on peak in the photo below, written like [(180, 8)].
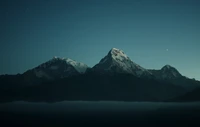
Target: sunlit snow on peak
[(118, 61), (80, 67), (118, 54)]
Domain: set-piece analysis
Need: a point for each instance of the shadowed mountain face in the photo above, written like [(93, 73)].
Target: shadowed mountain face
[(56, 68), (166, 73), (172, 75), (191, 96), (95, 87), (115, 77)]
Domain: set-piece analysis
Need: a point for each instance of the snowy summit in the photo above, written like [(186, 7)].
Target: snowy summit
[(59, 68), (117, 61)]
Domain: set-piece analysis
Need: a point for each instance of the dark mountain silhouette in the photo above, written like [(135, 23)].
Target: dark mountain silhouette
[(191, 96), (172, 75), (96, 87), (115, 77)]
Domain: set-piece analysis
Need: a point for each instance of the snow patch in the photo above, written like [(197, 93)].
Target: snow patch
[(80, 67), (55, 57), (118, 54)]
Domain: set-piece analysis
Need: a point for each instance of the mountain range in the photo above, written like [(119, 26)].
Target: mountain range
[(116, 77)]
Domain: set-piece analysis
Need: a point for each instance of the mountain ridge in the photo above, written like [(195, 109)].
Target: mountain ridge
[(115, 77)]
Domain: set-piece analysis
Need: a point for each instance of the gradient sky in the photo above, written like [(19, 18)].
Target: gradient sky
[(152, 33)]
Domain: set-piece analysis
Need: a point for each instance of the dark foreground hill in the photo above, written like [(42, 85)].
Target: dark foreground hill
[(96, 87)]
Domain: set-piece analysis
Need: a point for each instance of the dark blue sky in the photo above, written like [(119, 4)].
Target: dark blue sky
[(151, 32)]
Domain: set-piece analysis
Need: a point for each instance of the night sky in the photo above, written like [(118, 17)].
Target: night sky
[(152, 33)]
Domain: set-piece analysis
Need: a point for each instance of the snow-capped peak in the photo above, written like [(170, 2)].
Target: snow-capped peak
[(118, 54), (117, 61), (80, 67), (59, 67)]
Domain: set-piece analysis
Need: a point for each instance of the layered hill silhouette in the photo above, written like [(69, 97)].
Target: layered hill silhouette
[(115, 78)]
